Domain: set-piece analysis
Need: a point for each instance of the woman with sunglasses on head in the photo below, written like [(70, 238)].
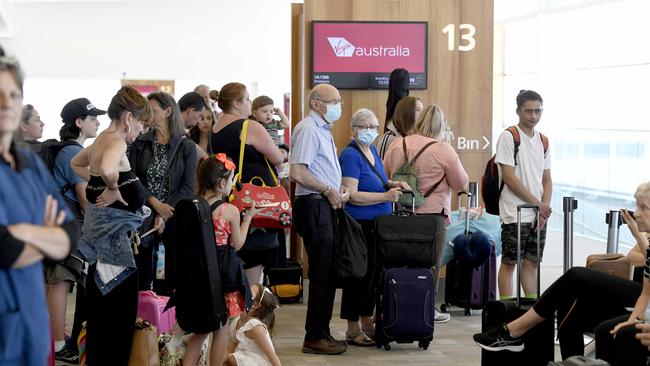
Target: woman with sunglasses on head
[(116, 198)]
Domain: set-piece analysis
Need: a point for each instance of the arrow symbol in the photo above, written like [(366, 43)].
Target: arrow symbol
[(487, 142)]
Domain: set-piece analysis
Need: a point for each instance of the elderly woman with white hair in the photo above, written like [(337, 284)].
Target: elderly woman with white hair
[(371, 195)]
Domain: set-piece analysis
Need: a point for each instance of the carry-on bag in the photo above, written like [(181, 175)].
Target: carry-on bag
[(405, 308), (405, 238), (468, 285), (615, 264), (151, 308), (286, 283), (201, 276), (539, 347)]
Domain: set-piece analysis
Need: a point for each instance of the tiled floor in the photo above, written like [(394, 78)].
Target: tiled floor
[(452, 344)]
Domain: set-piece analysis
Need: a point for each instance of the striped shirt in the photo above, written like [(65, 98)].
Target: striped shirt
[(312, 145)]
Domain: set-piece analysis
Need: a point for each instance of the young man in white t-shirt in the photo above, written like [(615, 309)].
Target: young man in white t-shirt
[(526, 180)]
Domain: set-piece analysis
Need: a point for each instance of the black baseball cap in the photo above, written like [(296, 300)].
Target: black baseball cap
[(78, 108)]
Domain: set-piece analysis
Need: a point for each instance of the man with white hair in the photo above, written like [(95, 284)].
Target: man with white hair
[(315, 169)]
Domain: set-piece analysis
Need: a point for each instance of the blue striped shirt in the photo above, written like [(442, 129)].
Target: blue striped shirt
[(312, 145)]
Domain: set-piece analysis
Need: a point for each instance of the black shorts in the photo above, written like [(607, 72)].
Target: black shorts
[(528, 238)]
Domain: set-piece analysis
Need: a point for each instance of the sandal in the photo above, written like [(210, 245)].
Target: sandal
[(370, 333), (360, 339)]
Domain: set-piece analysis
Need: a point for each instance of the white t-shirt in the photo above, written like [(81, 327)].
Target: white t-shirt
[(531, 163)]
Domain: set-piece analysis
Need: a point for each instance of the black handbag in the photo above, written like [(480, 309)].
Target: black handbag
[(350, 249)]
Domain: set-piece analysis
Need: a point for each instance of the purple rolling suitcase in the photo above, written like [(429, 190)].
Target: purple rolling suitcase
[(467, 286), (406, 310), (471, 287)]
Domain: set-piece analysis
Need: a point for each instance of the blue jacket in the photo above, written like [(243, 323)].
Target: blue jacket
[(24, 321), (105, 240)]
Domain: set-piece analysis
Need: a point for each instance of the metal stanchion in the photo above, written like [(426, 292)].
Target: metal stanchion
[(570, 204), (614, 220)]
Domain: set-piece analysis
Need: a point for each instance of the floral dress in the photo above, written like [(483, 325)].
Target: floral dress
[(235, 303)]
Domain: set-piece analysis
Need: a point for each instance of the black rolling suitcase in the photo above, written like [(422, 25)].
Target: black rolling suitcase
[(406, 308), (539, 346), (405, 252)]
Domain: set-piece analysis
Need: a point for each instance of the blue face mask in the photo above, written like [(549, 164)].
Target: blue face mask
[(333, 112), (367, 136)]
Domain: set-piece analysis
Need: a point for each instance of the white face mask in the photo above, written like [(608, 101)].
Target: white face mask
[(366, 136), (333, 112)]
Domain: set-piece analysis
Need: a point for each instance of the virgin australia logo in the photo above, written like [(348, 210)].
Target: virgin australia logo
[(343, 48)]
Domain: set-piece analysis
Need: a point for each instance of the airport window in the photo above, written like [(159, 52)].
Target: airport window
[(587, 60)]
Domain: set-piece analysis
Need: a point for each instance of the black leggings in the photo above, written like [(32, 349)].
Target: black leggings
[(624, 350), (597, 296), (111, 321)]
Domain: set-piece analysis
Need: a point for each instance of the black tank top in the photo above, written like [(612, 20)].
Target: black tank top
[(129, 185), (227, 141)]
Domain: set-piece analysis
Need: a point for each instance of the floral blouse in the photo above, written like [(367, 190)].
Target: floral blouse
[(157, 169)]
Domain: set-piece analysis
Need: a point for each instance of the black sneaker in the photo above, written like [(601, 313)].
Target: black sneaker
[(67, 355), (499, 339)]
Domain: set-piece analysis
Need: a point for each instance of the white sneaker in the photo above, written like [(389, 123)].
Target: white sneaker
[(441, 317)]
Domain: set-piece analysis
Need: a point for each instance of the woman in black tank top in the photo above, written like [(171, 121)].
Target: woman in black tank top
[(112, 309), (235, 102), (128, 184)]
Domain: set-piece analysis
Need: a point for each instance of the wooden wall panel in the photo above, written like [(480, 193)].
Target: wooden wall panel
[(460, 82)]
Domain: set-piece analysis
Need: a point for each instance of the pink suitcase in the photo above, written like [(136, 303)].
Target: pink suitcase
[(150, 308)]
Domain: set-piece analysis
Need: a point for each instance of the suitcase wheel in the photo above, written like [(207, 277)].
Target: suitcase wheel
[(387, 346), (424, 344), (468, 312)]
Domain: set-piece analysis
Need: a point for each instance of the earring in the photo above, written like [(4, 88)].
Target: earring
[(128, 129)]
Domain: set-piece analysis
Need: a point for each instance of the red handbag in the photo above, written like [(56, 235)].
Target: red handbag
[(274, 200)]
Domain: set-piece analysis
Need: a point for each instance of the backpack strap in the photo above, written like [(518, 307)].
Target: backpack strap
[(544, 142), (435, 186), (419, 152), (216, 204), (516, 138)]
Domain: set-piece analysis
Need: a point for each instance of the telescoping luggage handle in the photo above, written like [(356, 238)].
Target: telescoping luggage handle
[(519, 208), (469, 204), (400, 211)]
